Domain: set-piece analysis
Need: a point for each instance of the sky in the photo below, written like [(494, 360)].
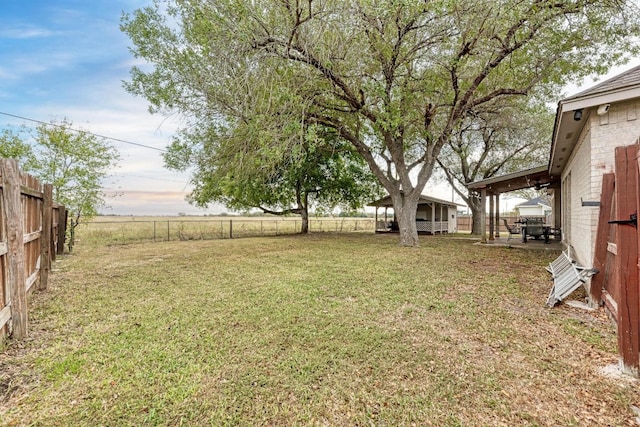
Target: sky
[(67, 59)]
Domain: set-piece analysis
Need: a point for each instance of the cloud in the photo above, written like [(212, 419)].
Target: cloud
[(25, 32), (153, 203), (69, 62), (5, 74), (148, 195)]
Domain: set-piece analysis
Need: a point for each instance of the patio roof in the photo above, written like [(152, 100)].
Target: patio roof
[(538, 176), (386, 202), (538, 201)]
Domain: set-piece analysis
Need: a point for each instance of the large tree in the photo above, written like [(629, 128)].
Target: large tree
[(394, 78), (510, 136), (324, 172)]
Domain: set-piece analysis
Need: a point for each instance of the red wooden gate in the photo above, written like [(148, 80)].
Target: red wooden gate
[(616, 254)]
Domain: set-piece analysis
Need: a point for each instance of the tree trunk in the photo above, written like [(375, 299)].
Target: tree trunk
[(302, 198), (405, 213), (304, 215), (476, 214), (72, 236)]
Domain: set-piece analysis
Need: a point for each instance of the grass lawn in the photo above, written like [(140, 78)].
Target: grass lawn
[(316, 330)]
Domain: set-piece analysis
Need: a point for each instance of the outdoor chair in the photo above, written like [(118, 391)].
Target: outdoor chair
[(512, 229)]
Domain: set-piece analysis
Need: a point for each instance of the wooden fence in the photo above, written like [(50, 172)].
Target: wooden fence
[(465, 222), (616, 254), (32, 230)]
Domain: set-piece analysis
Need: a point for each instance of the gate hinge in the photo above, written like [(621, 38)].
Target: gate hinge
[(633, 220)]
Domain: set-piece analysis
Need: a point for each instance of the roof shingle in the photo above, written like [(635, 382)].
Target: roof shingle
[(627, 79)]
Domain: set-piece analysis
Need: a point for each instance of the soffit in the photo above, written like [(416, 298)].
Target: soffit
[(538, 176)]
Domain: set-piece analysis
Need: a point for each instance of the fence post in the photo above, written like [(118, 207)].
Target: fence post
[(12, 210), (168, 232), (62, 229), (45, 236), (231, 229)]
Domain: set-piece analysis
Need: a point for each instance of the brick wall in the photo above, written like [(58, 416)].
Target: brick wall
[(594, 156), (579, 227)]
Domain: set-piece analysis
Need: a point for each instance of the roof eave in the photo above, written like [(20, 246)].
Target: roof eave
[(587, 102), (478, 185)]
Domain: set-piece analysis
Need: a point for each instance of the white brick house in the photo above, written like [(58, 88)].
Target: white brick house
[(588, 128)]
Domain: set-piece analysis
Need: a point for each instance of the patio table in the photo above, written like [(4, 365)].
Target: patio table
[(535, 230)]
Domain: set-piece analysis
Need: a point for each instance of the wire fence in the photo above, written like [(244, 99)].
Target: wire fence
[(123, 231)]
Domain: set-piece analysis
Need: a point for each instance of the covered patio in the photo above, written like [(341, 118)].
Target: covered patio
[(433, 216), (492, 188), (532, 244)]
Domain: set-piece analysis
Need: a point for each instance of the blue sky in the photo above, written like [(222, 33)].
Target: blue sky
[(68, 58)]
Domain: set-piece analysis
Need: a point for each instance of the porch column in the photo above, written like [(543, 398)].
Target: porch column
[(557, 208), (433, 219), (483, 215), (375, 227), (498, 215), (491, 218)]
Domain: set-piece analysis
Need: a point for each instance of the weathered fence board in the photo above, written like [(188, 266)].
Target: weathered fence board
[(31, 227), (15, 275), (616, 254), (602, 238), (464, 222), (627, 259)]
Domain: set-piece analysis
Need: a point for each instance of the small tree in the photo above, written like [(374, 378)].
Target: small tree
[(321, 170), (13, 147), (74, 162)]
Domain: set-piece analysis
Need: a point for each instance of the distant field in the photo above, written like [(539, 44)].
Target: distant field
[(129, 229)]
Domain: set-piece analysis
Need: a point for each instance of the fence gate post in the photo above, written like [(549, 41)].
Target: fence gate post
[(602, 237), (12, 210), (627, 259), (45, 236)]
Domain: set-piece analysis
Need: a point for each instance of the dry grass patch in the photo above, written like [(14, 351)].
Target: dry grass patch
[(317, 330)]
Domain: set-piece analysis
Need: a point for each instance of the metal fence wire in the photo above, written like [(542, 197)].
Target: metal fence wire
[(162, 230)]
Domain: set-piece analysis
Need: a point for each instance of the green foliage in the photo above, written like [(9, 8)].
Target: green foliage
[(394, 79), (321, 171), (505, 138), (75, 163), (13, 147)]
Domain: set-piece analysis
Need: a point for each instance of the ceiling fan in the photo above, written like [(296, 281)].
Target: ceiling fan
[(540, 186)]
